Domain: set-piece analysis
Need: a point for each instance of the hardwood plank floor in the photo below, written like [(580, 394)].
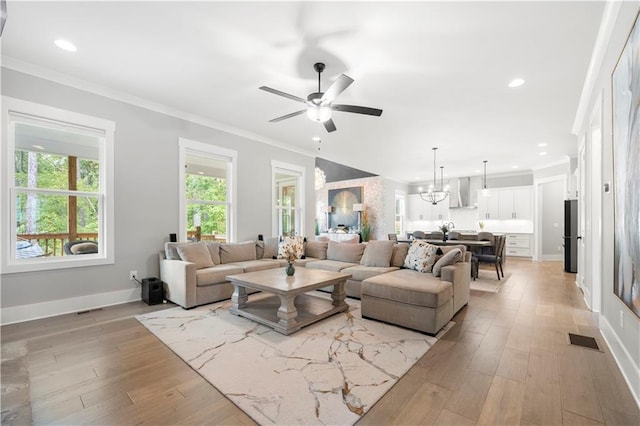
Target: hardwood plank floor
[(506, 361)]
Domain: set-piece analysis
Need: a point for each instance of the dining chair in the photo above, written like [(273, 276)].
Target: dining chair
[(453, 235), (393, 237), (436, 235), (419, 235), (496, 258), (487, 236)]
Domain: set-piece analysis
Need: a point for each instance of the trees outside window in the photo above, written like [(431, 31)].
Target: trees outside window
[(59, 186)]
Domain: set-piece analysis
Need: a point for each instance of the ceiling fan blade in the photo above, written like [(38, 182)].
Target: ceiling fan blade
[(284, 117), (357, 109), (330, 126), (336, 88), (279, 93)]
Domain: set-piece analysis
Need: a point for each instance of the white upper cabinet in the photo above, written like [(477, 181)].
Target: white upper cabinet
[(419, 209), (505, 204)]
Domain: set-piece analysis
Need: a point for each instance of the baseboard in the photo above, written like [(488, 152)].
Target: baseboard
[(552, 257), (35, 311), (630, 371)]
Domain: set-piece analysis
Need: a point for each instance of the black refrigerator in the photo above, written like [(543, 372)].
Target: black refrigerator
[(571, 236)]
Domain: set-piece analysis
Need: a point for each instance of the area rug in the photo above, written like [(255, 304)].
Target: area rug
[(330, 372), (488, 281)]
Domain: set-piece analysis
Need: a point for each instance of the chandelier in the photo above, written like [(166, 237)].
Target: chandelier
[(432, 195)]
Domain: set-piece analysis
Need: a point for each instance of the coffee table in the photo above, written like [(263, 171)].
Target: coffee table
[(288, 307)]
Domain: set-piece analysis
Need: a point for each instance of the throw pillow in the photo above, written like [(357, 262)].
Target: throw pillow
[(214, 251), (378, 253), (293, 245), (237, 252), (421, 256), (270, 248), (449, 258), (197, 253), (84, 248), (399, 254), (171, 250), (316, 249), (345, 252)]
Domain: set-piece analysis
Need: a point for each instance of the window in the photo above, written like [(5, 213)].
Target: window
[(288, 193), (207, 208), (399, 213), (57, 188)]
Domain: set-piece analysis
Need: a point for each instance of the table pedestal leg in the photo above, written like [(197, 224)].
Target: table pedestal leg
[(338, 294), (239, 297), (287, 312)]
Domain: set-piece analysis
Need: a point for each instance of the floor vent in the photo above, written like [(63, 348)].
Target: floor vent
[(584, 341), (88, 311)]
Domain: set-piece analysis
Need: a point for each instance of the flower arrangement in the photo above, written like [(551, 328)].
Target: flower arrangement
[(365, 229), (291, 256), (446, 227), (481, 224)]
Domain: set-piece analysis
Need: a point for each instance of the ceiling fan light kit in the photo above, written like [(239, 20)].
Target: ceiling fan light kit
[(320, 104)]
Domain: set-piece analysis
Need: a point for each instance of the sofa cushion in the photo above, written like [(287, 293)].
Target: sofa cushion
[(410, 287), (257, 265), (421, 256), (378, 253), (330, 265), (316, 249), (214, 251), (237, 252), (449, 258), (345, 252), (399, 254), (216, 274), (361, 273), (197, 253), (270, 247), (291, 246), (171, 250), (304, 262)]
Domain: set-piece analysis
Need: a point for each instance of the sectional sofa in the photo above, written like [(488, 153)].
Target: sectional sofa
[(195, 274)]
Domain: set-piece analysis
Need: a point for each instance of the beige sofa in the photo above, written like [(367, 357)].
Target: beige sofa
[(195, 274), (200, 279)]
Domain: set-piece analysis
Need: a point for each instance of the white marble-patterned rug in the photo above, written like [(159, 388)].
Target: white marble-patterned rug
[(330, 372)]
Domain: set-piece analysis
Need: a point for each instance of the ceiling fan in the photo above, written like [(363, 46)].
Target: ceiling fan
[(320, 104)]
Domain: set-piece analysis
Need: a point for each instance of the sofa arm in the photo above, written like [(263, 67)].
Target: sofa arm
[(458, 274), (180, 282)]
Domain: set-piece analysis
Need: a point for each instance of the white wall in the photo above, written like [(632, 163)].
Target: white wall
[(619, 326), (146, 198)]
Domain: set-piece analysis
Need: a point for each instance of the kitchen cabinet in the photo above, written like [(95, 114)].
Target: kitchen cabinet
[(418, 209), (505, 204), (515, 204), (518, 245)]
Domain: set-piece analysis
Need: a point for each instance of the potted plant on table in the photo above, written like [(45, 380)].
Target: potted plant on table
[(445, 228)]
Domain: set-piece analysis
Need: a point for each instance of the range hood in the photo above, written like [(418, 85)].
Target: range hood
[(463, 193)]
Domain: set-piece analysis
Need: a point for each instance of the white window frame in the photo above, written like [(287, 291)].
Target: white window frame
[(191, 147), (299, 173), (12, 110)]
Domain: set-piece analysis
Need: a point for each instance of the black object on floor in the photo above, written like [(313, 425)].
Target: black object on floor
[(584, 341), (152, 291)]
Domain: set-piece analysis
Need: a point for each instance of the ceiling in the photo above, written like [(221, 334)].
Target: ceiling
[(439, 70)]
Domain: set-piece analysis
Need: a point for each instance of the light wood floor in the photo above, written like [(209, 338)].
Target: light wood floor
[(506, 362)]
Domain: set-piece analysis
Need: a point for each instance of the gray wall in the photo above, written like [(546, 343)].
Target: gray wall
[(627, 335), (146, 189), (552, 221)]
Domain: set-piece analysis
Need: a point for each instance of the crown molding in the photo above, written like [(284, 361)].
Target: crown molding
[(107, 92)]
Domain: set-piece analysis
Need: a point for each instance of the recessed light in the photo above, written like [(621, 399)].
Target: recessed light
[(66, 45), (40, 147), (514, 167), (516, 82), (420, 188), (316, 138), (543, 153), (542, 144)]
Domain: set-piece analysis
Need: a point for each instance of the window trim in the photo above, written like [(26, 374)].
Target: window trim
[(192, 147), (13, 108), (299, 173)]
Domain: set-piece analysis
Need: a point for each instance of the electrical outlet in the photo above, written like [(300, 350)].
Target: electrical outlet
[(133, 275), (621, 319)]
